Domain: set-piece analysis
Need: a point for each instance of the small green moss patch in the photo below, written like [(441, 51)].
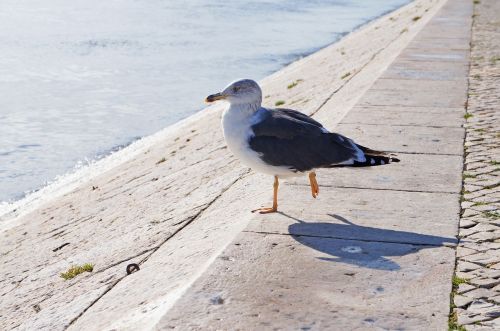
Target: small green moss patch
[(453, 323), (295, 83), (468, 115), (279, 103), (347, 74), (161, 160), (477, 2), (76, 270), (457, 281), (416, 18), (465, 175)]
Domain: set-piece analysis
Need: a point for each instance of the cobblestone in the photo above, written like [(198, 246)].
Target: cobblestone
[(478, 252)]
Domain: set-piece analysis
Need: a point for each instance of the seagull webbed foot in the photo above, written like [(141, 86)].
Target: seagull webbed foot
[(268, 210)]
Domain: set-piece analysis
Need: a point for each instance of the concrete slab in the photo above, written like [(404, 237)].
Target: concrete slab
[(440, 71), (415, 98), (313, 283), (415, 172), (432, 39), (429, 87), (413, 116), (362, 214), (407, 139), (440, 31), (435, 54)]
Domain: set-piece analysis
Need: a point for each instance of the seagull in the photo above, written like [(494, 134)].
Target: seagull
[(285, 142)]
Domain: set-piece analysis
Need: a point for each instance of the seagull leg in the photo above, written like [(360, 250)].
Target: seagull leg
[(274, 208), (314, 184)]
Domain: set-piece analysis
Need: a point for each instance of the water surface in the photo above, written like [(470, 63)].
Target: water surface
[(81, 78)]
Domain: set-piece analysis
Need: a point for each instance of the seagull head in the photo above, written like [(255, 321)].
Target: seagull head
[(240, 92)]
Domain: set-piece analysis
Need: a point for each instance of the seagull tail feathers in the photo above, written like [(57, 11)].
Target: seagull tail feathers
[(374, 158)]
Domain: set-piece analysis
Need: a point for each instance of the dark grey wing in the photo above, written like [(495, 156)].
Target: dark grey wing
[(287, 139)]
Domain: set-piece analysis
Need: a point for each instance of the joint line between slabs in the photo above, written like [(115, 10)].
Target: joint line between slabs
[(461, 107), (451, 246), (410, 125), (422, 153), (376, 189)]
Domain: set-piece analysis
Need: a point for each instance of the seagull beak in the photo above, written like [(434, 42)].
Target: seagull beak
[(214, 97)]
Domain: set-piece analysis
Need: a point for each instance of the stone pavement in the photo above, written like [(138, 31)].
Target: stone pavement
[(172, 202), (477, 281), (377, 249)]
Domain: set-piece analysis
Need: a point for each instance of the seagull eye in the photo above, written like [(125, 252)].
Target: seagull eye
[(236, 89)]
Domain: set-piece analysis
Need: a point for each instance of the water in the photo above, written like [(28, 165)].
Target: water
[(81, 78)]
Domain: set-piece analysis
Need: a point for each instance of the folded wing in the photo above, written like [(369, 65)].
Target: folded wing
[(285, 137)]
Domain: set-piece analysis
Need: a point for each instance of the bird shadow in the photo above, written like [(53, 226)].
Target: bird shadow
[(363, 246)]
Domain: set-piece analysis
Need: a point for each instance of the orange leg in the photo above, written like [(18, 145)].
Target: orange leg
[(274, 208), (314, 184)]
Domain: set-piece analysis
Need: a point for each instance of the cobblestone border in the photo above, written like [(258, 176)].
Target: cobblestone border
[(476, 297)]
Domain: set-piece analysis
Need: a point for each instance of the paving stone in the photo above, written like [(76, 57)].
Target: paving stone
[(482, 258), (480, 246), (464, 287), (467, 266), (465, 275), (464, 318), (486, 272), (485, 308), (464, 205), (466, 223), (469, 213), (485, 207), (480, 227), (463, 251), (485, 282), (461, 301), (485, 236), (480, 327), (480, 293)]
